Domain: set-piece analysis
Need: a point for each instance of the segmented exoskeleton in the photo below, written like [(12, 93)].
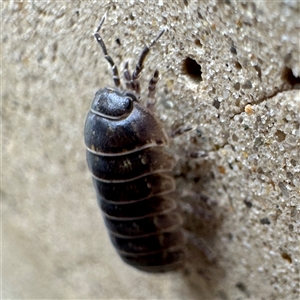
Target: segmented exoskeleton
[(131, 171)]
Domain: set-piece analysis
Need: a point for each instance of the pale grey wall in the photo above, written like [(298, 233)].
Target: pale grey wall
[(54, 243)]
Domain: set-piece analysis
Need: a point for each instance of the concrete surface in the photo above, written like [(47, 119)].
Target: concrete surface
[(244, 103)]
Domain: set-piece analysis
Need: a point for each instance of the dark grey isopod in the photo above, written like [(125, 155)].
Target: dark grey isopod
[(125, 154)]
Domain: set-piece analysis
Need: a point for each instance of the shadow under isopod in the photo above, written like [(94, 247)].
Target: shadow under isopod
[(202, 219)]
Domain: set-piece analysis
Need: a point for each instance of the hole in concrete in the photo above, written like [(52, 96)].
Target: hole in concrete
[(238, 65), (265, 221), (283, 189), (258, 70), (248, 203), (118, 41), (247, 85), (293, 162), (286, 256), (234, 137), (216, 103), (288, 76), (198, 43), (280, 135), (242, 287), (192, 69), (237, 86), (233, 50)]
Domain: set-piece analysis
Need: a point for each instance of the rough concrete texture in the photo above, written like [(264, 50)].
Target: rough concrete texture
[(246, 109)]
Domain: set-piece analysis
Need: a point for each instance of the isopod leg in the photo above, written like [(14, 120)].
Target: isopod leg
[(130, 84), (201, 245), (114, 68), (127, 76), (181, 130)]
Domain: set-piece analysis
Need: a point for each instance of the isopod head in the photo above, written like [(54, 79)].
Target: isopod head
[(113, 104), (126, 127)]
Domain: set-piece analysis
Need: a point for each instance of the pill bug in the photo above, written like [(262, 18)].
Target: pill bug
[(125, 149)]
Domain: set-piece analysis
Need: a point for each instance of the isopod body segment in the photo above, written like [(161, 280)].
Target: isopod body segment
[(125, 149)]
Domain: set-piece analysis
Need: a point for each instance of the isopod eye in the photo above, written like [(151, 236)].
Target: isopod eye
[(112, 104)]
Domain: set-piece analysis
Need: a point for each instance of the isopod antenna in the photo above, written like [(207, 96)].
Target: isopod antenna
[(100, 41), (140, 64)]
